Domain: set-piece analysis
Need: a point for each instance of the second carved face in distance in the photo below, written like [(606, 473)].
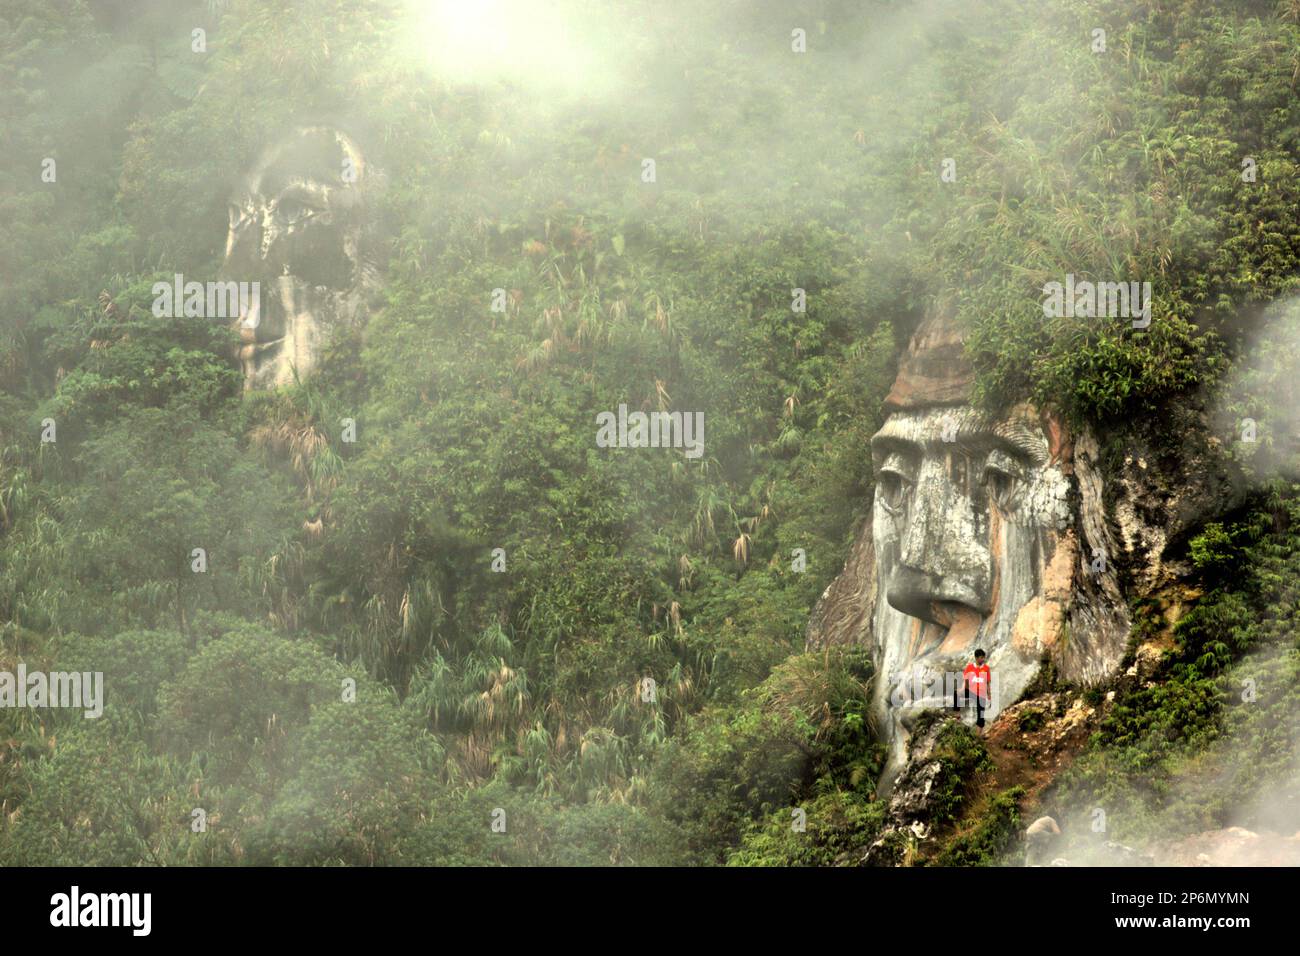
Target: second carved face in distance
[(296, 225)]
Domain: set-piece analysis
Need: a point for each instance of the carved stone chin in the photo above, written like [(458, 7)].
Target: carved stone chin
[(972, 543), (297, 226)]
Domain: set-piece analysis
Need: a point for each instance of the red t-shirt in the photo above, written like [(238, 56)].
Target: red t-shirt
[(977, 680)]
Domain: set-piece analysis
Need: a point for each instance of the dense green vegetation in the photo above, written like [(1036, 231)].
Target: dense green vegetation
[(370, 562)]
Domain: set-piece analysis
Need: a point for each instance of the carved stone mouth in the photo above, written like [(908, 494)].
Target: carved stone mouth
[(927, 638), (951, 631), (934, 653), (963, 623), (946, 613), (259, 347), (265, 313)]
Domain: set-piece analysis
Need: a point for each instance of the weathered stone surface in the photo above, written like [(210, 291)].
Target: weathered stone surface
[(1041, 838), (1161, 497), (909, 817), (934, 370), (1097, 612)]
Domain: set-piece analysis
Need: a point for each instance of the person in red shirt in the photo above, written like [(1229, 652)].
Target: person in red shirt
[(977, 676)]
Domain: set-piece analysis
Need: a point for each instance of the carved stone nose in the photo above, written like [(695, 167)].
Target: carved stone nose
[(933, 599), (943, 562), (915, 593)]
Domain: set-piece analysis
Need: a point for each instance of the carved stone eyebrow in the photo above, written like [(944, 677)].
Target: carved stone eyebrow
[(973, 431), (882, 443), (1017, 446), (1022, 439)]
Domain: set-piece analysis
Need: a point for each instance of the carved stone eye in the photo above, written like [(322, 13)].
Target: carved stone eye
[(893, 484), (957, 470), (1001, 488), (893, 490), (1003, 477)]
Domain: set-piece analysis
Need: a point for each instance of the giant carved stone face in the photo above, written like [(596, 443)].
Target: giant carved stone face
[(297, 227), (985, 532), (969, 526)]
